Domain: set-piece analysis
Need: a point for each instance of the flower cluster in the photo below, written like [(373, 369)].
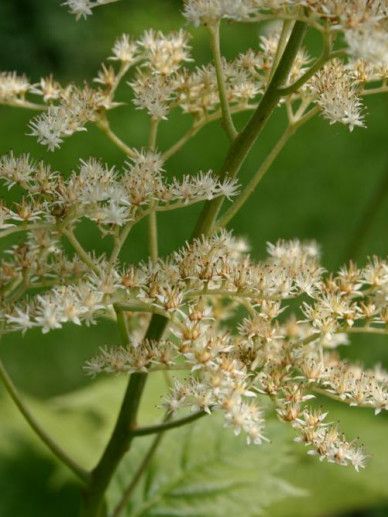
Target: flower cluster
[(342, 15), (209, 11), (238, 329), (76, 107), (336, 92), (13, 87), (160, 82), (84, 8), (100, 193), (289, 357)]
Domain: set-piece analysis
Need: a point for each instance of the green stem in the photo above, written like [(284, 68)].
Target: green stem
[(241, 146), (367, 330), (270, 158), (227, 120), (201, 123), (153, 236), (191, 132), (120, 507), (152, 219), (39, 431), (104, 125), (284, 36), (83, 255), (152, 429), (123, 432), (375, 91), (251, 186), (20, 103), (25, 228), (325, 57)]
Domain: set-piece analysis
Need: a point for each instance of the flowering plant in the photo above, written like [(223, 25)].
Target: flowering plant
[(208, 314)]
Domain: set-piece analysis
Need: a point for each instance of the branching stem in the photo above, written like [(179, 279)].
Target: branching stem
[(104, 125), (227, 121), (84, 255), (120, 507), (270, 158), (122, 435), (125, 426), (152, 218), (241, 146), (153, 429)]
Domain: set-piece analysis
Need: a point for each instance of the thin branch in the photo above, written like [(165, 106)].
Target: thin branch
[(24, 228), (84, 255), (104, 125), (367, 330), (141, 307), (36, 427), (252, 185), (152, 218), (159, 431), (326, 56), (265, 166), (152, 429), (227, 121), (201, 123), (121, 438), (284, 17), (321, 391), (153, 236), (183, 140), (375, 91), (22, 103), (120, 507), (123, 70), (283, 39), (241, 146)]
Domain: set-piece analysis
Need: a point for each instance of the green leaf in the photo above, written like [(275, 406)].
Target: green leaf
[(203, 470), (199, 470)]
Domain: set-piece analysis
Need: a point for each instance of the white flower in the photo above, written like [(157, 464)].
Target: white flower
[(20, 319), (49, 128), (49, 315), (13, 86), (80, 8), (124, 50), (370, 45), (112, 213), (198, 11), (153, 93), (164, 53)]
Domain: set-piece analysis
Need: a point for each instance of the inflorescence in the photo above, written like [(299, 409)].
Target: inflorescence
[(237, 330)]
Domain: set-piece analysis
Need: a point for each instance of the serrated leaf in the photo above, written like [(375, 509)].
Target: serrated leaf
[(205, 471)]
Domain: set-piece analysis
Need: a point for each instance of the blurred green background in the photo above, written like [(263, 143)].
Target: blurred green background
[(320, 188)]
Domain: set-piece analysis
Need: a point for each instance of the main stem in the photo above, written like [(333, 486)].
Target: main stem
[(255, 180), (123, 432), (241, 146)]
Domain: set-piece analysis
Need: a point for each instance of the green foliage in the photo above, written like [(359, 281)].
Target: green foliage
[(204, 470)]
